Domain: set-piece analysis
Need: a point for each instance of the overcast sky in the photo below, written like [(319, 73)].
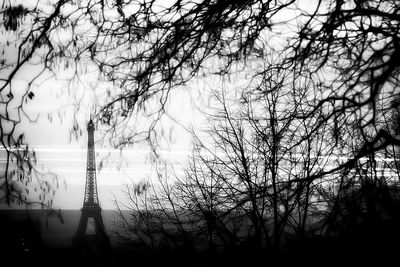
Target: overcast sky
[(66, 157), (49, 135)]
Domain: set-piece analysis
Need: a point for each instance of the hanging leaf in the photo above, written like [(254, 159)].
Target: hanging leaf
[(31, 95)]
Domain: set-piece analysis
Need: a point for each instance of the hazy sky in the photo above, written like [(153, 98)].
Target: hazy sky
[(57, 152), (49, 135), (66, 157)]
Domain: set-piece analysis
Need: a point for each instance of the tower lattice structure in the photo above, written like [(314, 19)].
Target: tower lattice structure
[(91, 199), (91, 211)]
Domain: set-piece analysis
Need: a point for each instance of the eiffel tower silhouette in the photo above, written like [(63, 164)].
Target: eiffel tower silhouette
[(97, 240)]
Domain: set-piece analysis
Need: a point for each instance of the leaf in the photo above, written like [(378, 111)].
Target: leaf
[(31, 95)]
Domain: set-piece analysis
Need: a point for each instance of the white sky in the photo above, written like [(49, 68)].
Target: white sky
[(56, 152), (67, 158)]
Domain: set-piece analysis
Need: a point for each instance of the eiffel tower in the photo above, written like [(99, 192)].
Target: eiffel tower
[(97, 240)]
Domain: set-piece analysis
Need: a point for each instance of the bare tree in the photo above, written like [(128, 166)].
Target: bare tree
[(253, 182)]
